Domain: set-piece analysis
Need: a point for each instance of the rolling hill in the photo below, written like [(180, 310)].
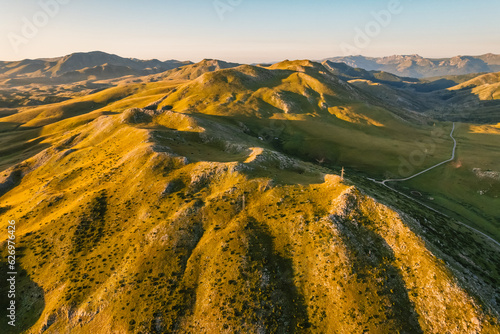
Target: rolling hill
[(466, 98), (207, 199), (486, 87), (476, 100)]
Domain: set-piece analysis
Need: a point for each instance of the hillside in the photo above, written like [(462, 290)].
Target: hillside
[(486, 87), (207, 200), (347, 72), (476, 100), (419, 67), (467, 98), (167, 243), (295, 88)]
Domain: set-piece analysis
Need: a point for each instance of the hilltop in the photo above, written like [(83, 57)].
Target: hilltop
[(193, 71)]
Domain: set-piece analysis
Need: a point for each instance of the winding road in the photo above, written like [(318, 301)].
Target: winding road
[(384, 183), (430, 168)]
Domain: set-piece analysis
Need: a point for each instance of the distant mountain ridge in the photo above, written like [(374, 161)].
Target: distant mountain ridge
[(84, 62), (84, 65), (419, 67)]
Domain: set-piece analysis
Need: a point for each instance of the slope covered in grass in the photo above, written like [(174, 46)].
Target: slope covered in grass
[(210, 205), (156, 221), (297, 107), (486, 87)]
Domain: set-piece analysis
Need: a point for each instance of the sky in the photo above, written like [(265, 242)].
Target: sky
[(248, 31)]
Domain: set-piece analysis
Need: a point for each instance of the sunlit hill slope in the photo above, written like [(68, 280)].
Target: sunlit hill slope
[(209, 203)]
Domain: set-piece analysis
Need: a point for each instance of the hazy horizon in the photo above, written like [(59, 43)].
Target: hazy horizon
[(196, 60), (248, 32)]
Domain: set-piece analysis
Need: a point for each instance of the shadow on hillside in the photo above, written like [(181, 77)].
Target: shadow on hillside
[(5, 112), (427, 87), (280, 288), (369, 253), (286, 136), (18, 144), (29, 300), (461, 106)]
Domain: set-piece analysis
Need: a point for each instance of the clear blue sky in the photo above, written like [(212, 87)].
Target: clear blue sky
[(251, 31)]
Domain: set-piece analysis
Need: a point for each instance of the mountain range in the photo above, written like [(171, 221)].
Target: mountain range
[(80, 66), (419, 67)]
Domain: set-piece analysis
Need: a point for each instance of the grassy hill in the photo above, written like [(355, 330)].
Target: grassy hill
[(165, 243), (209, 202), (486, 87)]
